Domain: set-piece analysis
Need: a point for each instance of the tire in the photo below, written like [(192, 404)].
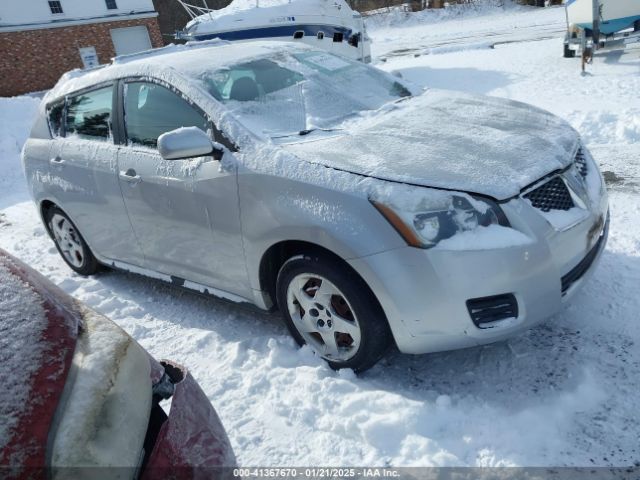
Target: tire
[(339, 306), (568, 53), (70, 244)]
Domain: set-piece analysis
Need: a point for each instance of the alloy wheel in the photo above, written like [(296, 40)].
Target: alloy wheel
[(323, 316), (67, 239)]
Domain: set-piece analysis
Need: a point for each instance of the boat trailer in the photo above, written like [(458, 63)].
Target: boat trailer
[(587, 41)]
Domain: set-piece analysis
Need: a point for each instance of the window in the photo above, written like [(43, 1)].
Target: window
[(298, 35), (247, 81), (111, 5), (337, 37), (89, 114), (55, 113), (151, 110), (280, 94), (55, 6), (320, 35)]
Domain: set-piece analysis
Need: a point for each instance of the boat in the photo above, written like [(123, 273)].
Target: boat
[(330, 25), (615, 15), (600, 25)]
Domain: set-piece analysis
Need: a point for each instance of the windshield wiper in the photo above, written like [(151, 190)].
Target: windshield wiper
[(307, 131)]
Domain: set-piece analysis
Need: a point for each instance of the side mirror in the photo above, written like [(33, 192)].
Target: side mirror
[(187, 142)]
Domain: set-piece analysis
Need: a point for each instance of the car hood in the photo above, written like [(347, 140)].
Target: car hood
[(38, 334), (449, 140)]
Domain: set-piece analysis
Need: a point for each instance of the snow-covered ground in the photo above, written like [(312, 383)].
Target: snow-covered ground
[(565, 393), (460, 27)]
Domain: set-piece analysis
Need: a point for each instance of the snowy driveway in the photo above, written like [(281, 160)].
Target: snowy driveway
[(563, 393)]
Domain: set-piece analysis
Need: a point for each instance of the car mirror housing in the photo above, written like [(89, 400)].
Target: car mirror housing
[(187, 142)]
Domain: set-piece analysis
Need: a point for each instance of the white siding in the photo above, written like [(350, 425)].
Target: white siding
[(13, 12)]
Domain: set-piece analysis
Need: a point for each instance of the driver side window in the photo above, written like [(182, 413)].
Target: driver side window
[(151, 110)]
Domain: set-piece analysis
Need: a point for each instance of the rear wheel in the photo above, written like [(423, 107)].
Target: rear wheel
[(70, 244), (329, 307)]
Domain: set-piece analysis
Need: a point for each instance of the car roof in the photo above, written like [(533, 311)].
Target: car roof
[(216, 54), (162, 62)]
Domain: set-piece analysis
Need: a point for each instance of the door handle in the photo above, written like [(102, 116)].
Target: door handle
[(57, 161), (130, 176)]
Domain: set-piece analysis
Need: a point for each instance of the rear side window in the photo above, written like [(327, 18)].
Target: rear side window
[(151, 110), (56, 124), (89, 114)]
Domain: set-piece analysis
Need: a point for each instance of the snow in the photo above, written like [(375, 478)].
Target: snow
[(491, 148), (564, 393), (239, 6), (23, 319), (461, 27), (107, 409), (16, 112)]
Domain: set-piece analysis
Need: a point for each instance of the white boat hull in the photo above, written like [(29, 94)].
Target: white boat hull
[(327, 25)]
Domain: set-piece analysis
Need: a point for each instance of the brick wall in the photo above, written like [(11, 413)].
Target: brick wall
[(33, 60)]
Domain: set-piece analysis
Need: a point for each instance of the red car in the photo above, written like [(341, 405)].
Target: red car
[(78, 392)]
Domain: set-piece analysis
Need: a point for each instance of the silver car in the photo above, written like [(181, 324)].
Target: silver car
[(366, 211)]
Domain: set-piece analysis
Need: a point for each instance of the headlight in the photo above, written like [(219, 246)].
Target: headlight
[(440, 216)]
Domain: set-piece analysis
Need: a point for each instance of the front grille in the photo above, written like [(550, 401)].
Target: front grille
[(487, 310), (553, 195), (579, 270), (581, 163)]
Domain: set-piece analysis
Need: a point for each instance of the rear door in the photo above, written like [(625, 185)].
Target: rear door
[(83, 175), (185, 213)]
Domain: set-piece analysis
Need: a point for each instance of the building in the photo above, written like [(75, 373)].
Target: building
[(42, 39)]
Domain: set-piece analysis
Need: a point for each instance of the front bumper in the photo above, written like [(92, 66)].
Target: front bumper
[(424, 293)]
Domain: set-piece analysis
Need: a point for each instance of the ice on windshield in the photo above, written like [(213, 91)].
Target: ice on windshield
[(286, 94)]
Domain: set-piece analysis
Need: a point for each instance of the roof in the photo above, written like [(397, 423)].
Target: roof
[(168, 61)]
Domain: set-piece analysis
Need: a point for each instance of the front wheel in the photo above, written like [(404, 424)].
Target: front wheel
[(328, 306), (70, 244)]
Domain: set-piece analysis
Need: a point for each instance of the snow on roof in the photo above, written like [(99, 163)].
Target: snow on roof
[(242, 6), (166, 62)]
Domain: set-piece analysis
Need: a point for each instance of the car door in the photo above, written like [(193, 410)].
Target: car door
[(185, 213), (83, 174)]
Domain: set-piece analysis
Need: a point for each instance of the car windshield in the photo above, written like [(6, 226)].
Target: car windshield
[(297, 93)]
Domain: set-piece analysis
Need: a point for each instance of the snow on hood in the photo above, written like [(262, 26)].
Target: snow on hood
[(107, 409), (450, 140), (37, 338), (23, 319)]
